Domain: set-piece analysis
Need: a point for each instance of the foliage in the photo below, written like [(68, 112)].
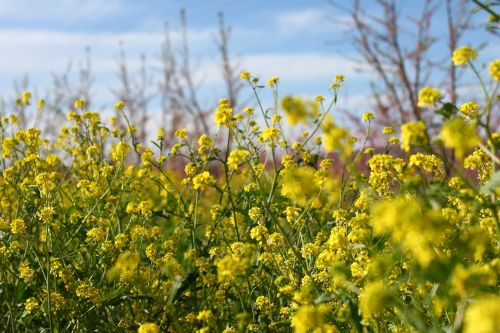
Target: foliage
[(260, 232)]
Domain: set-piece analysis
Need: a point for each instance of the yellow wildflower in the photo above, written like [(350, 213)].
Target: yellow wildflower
[(375, 297), (25, 271), (469, 110), (483, 315), (223, 113), (273, 81), (459, 135), (269, 133), (463, 55), (202, 180), (31, 305), (181, 133), (148, 328), (236, 157), (25, 98), (80, 103), (413, 133), (119, 105), (495, 70), (428, 96), (367, 116), (245, 75), (18, 227)]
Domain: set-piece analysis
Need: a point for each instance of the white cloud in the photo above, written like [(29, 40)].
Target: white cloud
[(299, 20), (299, 66), (60, 10), (37, 51)]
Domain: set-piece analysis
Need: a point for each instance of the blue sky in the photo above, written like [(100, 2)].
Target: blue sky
[(297, 40)]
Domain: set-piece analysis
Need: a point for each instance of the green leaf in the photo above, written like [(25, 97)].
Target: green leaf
[(447, 110)]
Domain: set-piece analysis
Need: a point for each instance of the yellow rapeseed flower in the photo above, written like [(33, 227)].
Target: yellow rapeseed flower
[(119, 105), (367, 116), (80, 103), (375, 297), (428, 96), (495, 70), (483, 315), (459, 135), (223, 113), (463, 55), (25, 98), (413, 133), (273, 81), (148, 328), (202, 180), (236, 157), (245, 75), (469, 110), (269, 133)]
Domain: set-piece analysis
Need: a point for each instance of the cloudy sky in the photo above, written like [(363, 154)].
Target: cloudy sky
[(305, 42)]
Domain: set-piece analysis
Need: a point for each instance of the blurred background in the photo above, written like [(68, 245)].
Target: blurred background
[(171, 61)]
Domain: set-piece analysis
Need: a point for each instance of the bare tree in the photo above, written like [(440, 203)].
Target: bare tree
[(397, 51), (136, 92)]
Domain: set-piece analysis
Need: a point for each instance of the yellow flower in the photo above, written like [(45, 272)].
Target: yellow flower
[(427, 163), (298, 184), (367, 116), (336, 138), (469, 110), (428, 96), (95, 235), (181, 133), (80, 103), (311, 318), (119, 105), (319, 99), (40, 104), (148, 328), (495, 69), (263, 303), (483, 315), (245, 75), (119, 151), (412, 133), (269, 133), (375, 297), (459, 135), (126, 264), (388, 130), (223, 113), (273, 81), (202, 180), (339, 78), (86, 291), (160, 134), (25, 271), (31, 305), (463, 55), (236, 157), (25, 98), (18, 227), (228, 268), (295, 109)]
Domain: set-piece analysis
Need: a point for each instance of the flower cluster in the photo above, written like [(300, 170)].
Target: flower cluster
[(259, 230)]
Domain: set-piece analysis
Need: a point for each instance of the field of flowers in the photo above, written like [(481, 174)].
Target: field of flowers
[(258, 231)]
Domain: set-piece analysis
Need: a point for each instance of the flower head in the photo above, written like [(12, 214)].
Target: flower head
[(245, 75), (428, 96), (463, 55), (495, 69)]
